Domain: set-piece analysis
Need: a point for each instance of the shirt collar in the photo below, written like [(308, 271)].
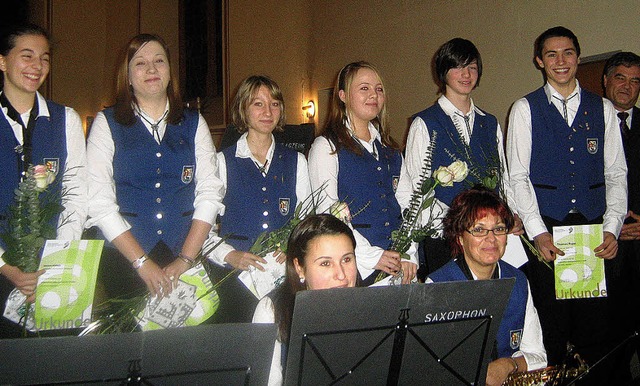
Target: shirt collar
[(550, 92), (243, 151), (43, 109), (373, 132), (450, 109)]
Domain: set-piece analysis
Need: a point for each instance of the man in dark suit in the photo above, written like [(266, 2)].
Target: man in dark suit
[(621, 79)]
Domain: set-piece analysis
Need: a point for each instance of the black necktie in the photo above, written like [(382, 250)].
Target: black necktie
[(24, 151), (624, 128)]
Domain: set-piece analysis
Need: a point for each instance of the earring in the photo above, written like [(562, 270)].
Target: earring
[(302, 280)]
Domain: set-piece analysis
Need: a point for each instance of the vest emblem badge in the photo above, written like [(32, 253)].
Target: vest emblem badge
[(187, 174), (516, 337), (52, 164), (592, 145), (394, 182), (284, 206)]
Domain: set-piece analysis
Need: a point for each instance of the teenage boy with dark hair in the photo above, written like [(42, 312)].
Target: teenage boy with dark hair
[(464, 132), (567, 167)]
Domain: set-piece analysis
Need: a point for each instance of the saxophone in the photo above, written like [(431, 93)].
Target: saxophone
[(549, 376)]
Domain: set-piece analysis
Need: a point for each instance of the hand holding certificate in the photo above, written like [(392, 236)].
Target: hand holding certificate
[(579, 273)]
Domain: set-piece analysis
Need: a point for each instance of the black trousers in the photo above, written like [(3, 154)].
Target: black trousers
[(592, 326)]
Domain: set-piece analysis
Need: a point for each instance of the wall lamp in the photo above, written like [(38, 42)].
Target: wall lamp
[(310, 109)]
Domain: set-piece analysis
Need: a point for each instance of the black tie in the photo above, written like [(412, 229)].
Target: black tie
[(24, 151), (624, 128)]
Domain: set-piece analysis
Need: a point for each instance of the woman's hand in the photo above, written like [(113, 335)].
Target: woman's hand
[(389, 262), (280, 256), (25, 282), (409, 270), (498, 371), (157, 281), (243, 260), (175, 269)]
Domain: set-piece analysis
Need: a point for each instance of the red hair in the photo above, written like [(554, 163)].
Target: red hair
[(468, 207)]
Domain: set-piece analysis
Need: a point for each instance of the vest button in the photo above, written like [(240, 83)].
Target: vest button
[(159, 231), (265, 213), (265, 226), (158, 184), (573, 200), (386, 223), (264, 188), (378, 168), (384, 209), (383, 196), (158, 171), (158, 154), (571, 148), (158, 200), (159, 216), (265, 201), (572, 162)]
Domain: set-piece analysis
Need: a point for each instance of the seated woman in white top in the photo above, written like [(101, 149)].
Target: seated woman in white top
[(320, 255)]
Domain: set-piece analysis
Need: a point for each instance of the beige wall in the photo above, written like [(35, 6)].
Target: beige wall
[(273, 38), (303, 43), (87, 37), (401, 37)]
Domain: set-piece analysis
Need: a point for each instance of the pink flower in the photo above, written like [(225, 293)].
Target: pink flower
[(42, 176)]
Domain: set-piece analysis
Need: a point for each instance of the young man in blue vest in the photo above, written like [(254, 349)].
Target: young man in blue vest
[(567, 167), (461, 131)]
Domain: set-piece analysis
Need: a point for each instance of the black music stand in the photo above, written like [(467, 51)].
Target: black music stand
[(224, 354), (438, 334)]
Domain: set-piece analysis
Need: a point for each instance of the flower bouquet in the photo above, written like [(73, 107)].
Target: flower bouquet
[(28, 226), (422, 198), (270, 244)]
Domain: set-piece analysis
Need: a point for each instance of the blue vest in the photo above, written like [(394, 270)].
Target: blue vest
[(49, 142), (567, 163), (155, 186), (369, 184), (512, 324), (255, 203), (483, 146)]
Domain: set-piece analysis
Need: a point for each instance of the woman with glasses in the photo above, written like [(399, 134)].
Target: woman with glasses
[(476, 227)]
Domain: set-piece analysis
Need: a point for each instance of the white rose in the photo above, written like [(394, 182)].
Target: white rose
[(459, 170), (340, 210), (444, 176)]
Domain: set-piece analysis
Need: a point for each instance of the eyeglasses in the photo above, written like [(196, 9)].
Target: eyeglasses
[(481, 232)]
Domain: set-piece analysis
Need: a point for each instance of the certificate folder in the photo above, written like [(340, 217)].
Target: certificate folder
[(229, 354), (438, 334)]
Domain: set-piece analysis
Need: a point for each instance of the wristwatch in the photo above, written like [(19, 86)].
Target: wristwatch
[(137, 263)]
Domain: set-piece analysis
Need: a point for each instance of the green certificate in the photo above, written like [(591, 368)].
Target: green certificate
[(64, 298), (579, 273)]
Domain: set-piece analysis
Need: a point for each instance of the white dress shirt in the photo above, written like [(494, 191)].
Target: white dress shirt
[(303, 188), (104, 209), (323, 171), (74, 175), (519, 157), (419, 140), (265, 313)]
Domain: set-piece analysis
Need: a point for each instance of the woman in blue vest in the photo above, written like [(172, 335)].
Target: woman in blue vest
[(153, 187), (459, 130), (357, 161), (35, 131), (263, 182), (321, 255), (476, 228)]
